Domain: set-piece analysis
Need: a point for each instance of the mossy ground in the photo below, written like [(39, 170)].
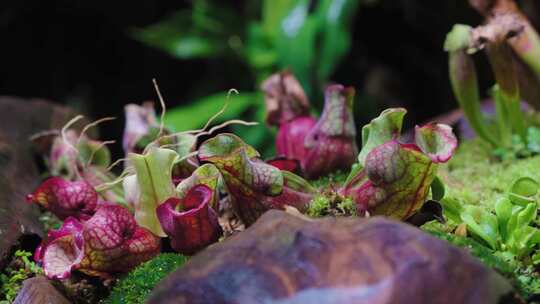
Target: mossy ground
[(11, 278), (135, 287), (327, 202), (475, 176)]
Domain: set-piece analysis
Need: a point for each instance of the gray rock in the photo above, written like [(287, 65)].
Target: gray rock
[(290, 260), (39, 290), (19, 119)]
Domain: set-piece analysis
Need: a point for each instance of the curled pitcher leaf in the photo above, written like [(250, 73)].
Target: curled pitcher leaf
[(330, 145), (190, 222), (247, 178), (254, 186), (393, 178), (154, 179), (437, 141), (109, 242), (284, 98), (66, 198), (207, 175)]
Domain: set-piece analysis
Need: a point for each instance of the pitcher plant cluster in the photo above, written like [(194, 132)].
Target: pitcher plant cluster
[(177, 186)]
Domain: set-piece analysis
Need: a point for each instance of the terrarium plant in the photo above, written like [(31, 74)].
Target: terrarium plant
[(505, 33)]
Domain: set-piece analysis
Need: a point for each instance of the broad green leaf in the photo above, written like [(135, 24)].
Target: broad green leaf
[(503, 210), (196, 114), (334, 17), (526, 216), (154, 177), (523, 191), (523, 240), (437, 189), (481, 223), (295, 42), (259, 50), (273, 12), (181, 36), (452, 209)]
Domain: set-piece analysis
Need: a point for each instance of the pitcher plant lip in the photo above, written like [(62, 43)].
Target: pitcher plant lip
[(107, 243), (190, 222)]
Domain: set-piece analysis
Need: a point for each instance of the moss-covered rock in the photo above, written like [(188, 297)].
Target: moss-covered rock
[(136, 285)]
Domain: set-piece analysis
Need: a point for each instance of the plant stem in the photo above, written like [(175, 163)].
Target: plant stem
[(464, 81), (502, 63), (505, 131)]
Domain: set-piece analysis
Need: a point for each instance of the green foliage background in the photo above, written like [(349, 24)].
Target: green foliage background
[(307, 37)]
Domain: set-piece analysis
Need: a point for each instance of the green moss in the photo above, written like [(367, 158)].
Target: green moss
[(525, 279), (347, 206), (137, 285), (473, 176), (11, 278), (319, 206), (331, 204), (333, 179), (478, 177)]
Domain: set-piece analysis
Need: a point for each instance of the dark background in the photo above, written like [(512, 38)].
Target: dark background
[(80, 53)]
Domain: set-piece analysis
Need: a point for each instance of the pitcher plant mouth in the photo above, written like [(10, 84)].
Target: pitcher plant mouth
[(190, 222), (108, 242)]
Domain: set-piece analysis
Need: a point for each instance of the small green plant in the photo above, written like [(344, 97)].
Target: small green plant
[(137, 285), (20, 269), (524, 278), (510, 230), (520, 149)]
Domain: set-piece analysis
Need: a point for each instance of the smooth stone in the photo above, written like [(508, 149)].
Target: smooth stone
[(287, 259), (39, 290)]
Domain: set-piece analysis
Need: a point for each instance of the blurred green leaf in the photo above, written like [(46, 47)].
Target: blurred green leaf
[(503, 210), (259, 51), (201, 32), (437, 189), (295, 42), (523, 191), (481, 223), (335, 17), (173, 36), (196, 114), (273, 12)]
